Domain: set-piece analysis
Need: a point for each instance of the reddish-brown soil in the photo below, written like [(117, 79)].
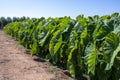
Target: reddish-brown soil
[(15, 64)]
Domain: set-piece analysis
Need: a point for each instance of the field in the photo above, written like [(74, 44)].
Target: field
[(85, 46)]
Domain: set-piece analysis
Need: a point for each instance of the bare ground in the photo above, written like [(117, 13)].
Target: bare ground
[(15, 64)]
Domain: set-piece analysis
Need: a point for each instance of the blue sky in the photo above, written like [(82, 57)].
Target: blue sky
[(57, 8)]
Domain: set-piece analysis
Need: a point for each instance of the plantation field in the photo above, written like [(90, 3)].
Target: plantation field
[(85, 46)]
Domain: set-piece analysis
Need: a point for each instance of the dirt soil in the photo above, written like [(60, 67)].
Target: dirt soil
[(15, 64)]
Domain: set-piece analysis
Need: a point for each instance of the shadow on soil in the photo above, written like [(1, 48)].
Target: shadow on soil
[(39, 60)]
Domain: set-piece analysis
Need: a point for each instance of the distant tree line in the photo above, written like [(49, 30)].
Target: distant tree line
[(4, 21)]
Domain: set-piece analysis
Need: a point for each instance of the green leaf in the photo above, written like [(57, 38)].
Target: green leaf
[(109, 65), (92, 59), (34, 48), (43, 37), (71, 62), (58, 45), (110, 49), (101, 32), (55, 42)]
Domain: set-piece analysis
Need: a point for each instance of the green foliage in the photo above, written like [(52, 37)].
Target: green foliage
[(85, 46)]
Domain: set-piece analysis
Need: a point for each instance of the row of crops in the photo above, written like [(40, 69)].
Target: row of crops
[(85, 46), (4, 21)]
